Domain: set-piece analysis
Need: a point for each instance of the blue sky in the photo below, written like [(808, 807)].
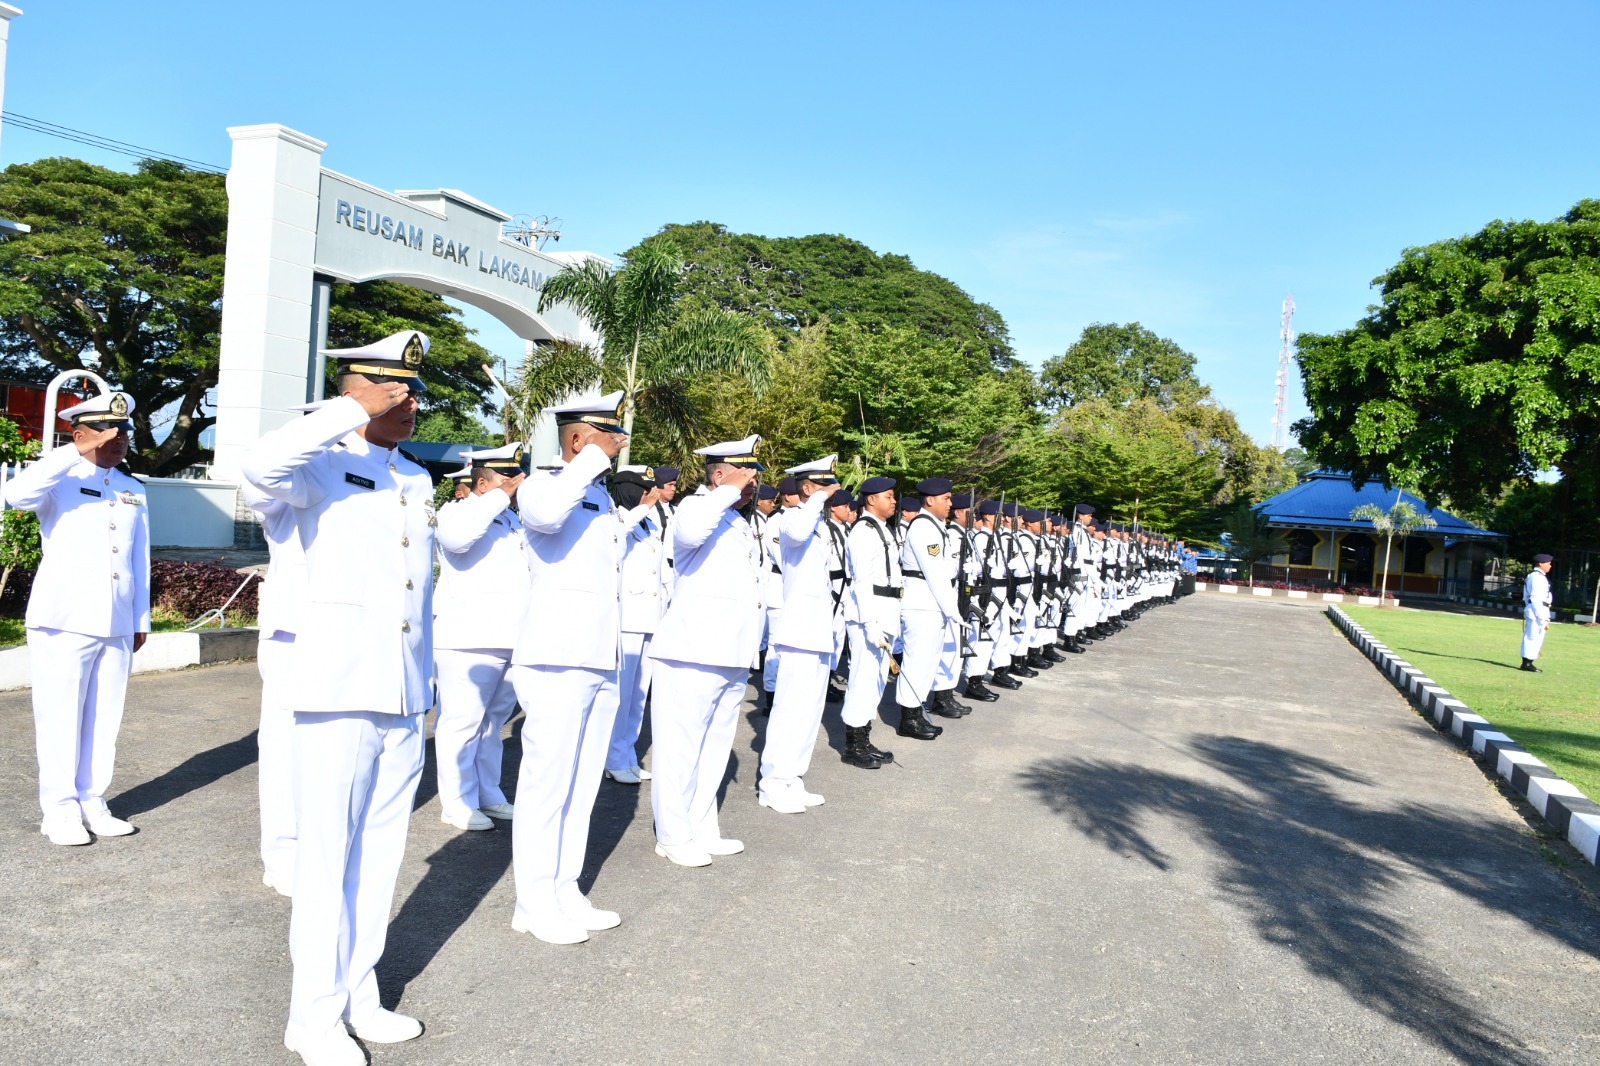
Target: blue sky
[(1182, 165)]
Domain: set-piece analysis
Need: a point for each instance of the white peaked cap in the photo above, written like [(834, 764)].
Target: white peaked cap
[(823, 466), (734, 452)]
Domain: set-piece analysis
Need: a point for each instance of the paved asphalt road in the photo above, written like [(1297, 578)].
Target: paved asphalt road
[(1217, 838)]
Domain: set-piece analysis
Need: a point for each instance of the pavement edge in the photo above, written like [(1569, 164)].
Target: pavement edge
[(1557, 800)]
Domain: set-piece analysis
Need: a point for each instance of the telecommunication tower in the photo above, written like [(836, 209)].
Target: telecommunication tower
[(1280, 417)]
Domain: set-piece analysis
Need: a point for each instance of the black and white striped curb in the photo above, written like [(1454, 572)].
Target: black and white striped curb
[(1557, 800)]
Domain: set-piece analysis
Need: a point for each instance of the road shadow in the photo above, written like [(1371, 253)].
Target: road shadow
[(1315, 873), (191, 775), (461, 873)]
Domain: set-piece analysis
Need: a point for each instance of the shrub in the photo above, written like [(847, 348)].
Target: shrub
[(192, 589)]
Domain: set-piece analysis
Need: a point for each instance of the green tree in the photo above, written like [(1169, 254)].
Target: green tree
[(1120, 364), (1401, 520), (1251, 539), (652, 347), (1479, 368), (121, 275)]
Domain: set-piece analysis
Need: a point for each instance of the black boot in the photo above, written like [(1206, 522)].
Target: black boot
[(977, 690), (856, 751), (836, 687), (764, 703), (1022, 669), (1527, 664), (950, 700), (1074, 645), (877, 752), (944, 705), (914, 725), (1051, 655), (1002, 678)]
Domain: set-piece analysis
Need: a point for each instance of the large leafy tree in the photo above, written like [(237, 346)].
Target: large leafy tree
[(653, 347), (790, 282), (1479, 368), (1120, 364), (121, 275)]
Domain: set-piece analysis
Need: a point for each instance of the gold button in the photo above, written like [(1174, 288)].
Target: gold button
[(115, 576), (405, 627), (113, 525), (408, 582), (113, 549), (108, 481), (393, 467), (405, 542), (402, 501)]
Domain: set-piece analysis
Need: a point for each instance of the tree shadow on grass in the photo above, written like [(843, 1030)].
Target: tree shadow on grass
[(1314, 872)]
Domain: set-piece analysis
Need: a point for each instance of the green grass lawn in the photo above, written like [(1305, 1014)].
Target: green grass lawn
[(12, 631), (1555, 715)]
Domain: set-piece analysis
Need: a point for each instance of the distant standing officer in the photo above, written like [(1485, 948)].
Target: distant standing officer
[(803, 639), (483, 589), (1536, 603), (703, 650), (89, 611), (872, 617), (363, 672), (929, 612), (644, 599), (564, 667)]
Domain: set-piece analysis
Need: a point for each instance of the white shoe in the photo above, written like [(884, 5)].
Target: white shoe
[(475, 821), (644, 775), (720, 846), (502, 811), (387, 1027), (787, 803), (684, 854), (284, 887), (65, 832), (105, 824), (558, 930), (576, 906), (333, 1048), (625, 776), (810, 799)]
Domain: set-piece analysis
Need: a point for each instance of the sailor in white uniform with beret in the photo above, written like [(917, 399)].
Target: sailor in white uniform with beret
[(362, 683), (564, 667), (280, 603), (89, 611), (929, 614), (645, 585), (483, 590), (703, 649), (803, 639), (872, 617)]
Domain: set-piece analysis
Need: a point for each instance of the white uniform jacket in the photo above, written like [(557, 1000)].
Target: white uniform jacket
[(765, 528), (1536, 597), (876, 584), (806, 622), (715, 617), (483, 574), (926, 552), (647, 577), (94, 578), (365, 519), (575, 543), (282, 597)]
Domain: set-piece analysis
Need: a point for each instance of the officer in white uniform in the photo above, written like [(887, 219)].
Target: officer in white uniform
[(803, 638), (703, 650), (362, 667), (961, 534), (872, 616), (461, 482), (645, 587), (565, 669), (773, 595), (840, 513), (929, 615), (89, 611), (482, 592), (1536, 603), (771, 586), (280, 603)]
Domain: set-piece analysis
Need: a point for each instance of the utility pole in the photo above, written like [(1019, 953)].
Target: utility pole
[(1280, 418)]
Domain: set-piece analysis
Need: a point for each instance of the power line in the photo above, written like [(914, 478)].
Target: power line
[(94, 140)]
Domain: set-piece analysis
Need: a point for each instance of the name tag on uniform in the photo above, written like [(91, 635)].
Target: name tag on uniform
[(587, 506), (89, 492), (363, 482)]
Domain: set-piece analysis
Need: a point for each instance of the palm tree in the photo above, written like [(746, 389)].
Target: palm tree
[(650, 345), (549, 374), (1250, 538), (1401, 520)]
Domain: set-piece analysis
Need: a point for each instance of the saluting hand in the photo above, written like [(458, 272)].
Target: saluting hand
[(610, 443), (88, 440), (510, 485), (650, 498), (379, 397), (739, 477)]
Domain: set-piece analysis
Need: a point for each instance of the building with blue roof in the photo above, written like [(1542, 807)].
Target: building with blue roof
[(1329, 548)]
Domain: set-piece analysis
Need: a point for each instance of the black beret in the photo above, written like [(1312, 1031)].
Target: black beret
[(989, 507), (840, 497), (1544, 558), (767, 492), (1032, 515), (961, 501), (665, 474), (874, 485), (1083, 508), (933, 486), (911, 505), (788, 487)]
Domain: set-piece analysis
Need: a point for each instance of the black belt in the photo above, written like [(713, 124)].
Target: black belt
[(893, 592), (775, 570), (913, 573), (835, 575)]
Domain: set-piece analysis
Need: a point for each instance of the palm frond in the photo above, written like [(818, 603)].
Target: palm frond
[(667, 405), (591, 289), (551, 374), (710, 340)]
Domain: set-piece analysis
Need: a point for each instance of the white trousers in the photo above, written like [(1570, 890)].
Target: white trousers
[(769, 668), (566, 731), (929, 640), (476, 700), (693, 718), (634, 679), (869, 673), (356, 777), (1533, 630), (275, 757), (796, 716), (79, 686)]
